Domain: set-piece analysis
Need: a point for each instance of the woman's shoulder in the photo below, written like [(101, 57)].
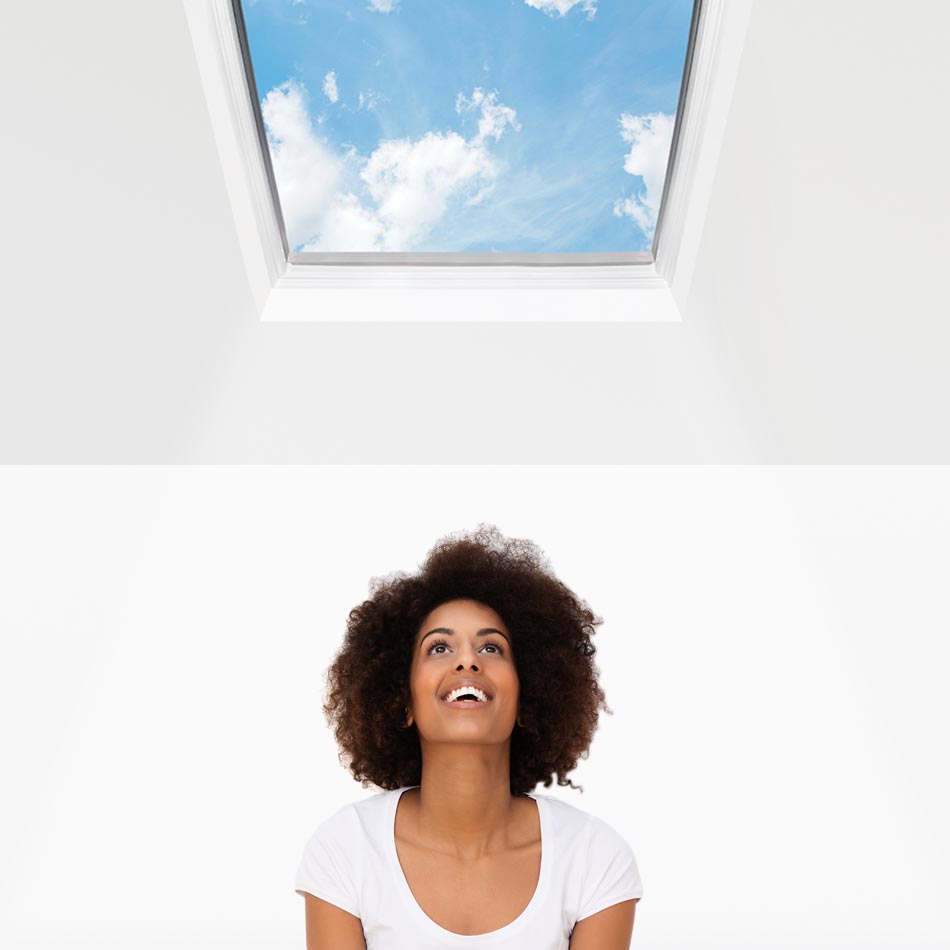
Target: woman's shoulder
[(582, 828), (366, 814), (566, 815), (594, 855), (332, 863)]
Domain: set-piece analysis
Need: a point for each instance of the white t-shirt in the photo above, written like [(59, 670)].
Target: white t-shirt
[(351, 861)]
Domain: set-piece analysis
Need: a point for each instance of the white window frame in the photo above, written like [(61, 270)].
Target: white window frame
[(648, 287)]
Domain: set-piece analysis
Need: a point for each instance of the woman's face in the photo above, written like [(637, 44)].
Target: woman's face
[(463, 640)]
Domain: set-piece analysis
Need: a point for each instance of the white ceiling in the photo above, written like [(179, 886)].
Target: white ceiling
[(817, 331)]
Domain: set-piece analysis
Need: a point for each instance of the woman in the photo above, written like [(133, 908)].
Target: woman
[(457, 690)]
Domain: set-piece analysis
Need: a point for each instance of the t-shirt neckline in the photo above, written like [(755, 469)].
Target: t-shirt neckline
[(491, 936)]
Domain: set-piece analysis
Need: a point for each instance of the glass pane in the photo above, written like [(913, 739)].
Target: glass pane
[(516, 126)]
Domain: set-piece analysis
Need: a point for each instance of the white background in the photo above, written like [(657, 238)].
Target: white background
[(774, 651)]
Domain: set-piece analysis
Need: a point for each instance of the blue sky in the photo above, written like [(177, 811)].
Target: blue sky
[(477, 125)]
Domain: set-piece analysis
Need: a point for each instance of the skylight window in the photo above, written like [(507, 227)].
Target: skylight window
[(542, 160), (505, 126)]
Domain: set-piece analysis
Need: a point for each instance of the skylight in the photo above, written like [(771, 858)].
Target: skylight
[(511, 127), (480, 160)]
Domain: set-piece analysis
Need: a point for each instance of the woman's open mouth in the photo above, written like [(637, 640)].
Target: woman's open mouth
[(467, 697)]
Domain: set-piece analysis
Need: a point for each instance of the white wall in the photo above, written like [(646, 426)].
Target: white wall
[(774, 650), (816, 331)]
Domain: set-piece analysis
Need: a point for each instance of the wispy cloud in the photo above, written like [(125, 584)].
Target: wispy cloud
[(650, 137), (330, 89), (370, 99), (383, 6), (495, 116), (563, 7), (410, 184)]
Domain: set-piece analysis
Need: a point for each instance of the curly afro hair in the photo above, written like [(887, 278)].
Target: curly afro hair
[(367, 685)]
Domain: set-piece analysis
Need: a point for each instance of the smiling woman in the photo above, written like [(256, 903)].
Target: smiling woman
[(441, 696)]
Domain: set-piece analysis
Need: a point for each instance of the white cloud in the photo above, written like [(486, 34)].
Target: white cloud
[(308, 173), (650, 137), (383, 6), (348, 226), (410, 183), (413, 182), (495, 116), (330, 89), (562, 7)]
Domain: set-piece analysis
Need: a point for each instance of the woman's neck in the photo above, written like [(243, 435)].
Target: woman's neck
[(464, 806)]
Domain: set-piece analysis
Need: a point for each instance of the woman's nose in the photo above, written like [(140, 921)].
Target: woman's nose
[(467, 656)]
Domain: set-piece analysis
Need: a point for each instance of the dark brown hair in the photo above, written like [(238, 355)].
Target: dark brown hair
[(560, 697)]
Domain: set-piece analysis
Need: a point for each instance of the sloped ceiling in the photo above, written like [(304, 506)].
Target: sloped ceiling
[(817, 331)]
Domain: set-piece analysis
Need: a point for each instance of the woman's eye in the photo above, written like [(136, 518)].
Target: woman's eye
[(440, 643)]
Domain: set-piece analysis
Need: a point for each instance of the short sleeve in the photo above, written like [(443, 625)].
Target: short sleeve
[(325, 872), (611, 874)]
